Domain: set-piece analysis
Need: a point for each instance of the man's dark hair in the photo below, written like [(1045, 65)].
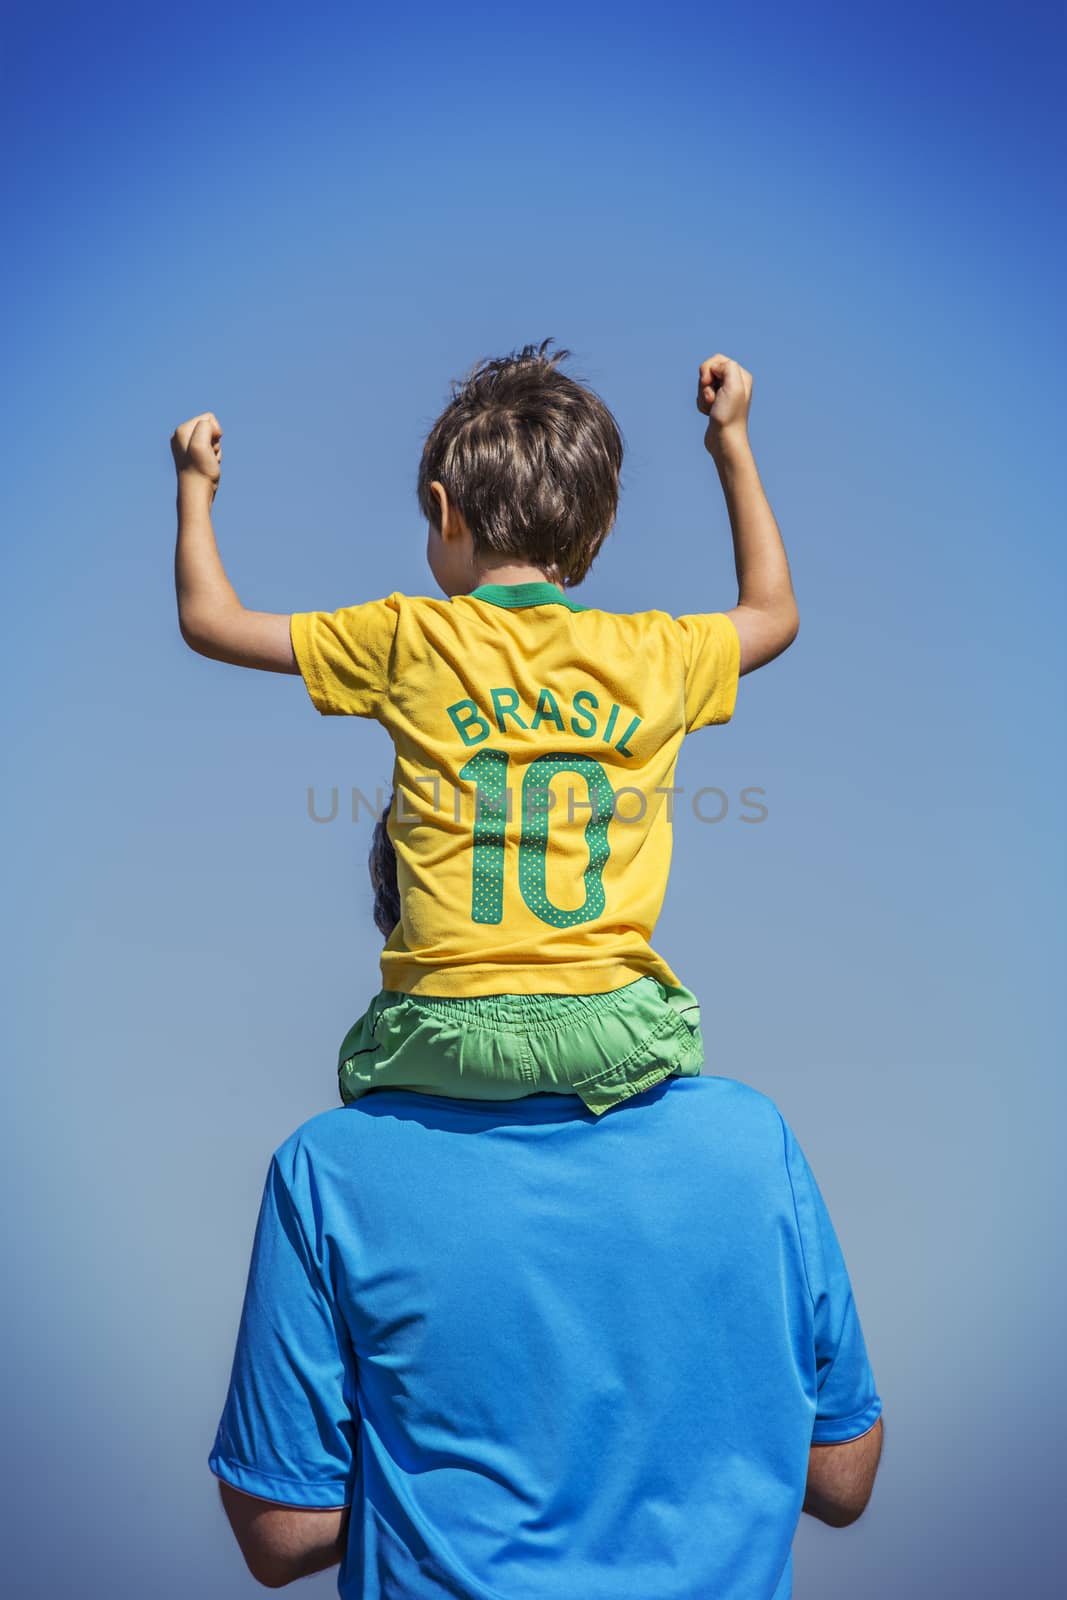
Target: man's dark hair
[(383, 876), (531, 458)]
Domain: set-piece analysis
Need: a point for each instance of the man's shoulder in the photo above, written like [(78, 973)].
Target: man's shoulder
[(325, 1131), (724, 1108), (731, 1107), (731, 1091)]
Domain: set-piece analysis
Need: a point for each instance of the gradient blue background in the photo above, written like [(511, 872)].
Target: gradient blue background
[(309, 222)]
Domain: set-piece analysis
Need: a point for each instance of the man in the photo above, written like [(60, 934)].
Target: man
[(510, 1351)]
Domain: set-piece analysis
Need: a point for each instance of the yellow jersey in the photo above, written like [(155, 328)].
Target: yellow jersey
[(535, 741)]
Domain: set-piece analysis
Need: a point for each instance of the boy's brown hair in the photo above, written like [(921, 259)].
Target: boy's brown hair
[(531, 458)]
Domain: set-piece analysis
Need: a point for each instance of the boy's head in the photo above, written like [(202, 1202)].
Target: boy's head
[(521, 468)]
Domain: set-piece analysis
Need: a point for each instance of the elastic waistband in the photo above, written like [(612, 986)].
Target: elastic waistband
[(528, 1010)]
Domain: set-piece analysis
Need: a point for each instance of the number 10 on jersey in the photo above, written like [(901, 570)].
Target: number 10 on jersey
[(488, 771)]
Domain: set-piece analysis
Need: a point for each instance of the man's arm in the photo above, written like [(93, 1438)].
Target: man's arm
[(283, 1543), (212, 619), (766, 615), (291, 1419), (841, 1477)]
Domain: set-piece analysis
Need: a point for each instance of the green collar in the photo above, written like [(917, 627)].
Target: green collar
[(515, 595)]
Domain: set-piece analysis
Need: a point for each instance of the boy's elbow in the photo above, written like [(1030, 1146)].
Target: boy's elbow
[(782, 624), (765, 631), (191, 635), (201, 643), (203, 632), (782, 627)]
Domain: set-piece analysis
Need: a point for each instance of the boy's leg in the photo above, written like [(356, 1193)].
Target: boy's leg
[(607, 1048), (469, 1048)]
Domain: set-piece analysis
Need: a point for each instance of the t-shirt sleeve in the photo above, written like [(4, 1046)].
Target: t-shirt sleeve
[(287, 1431), (847, 1403), (711, 658), (344, 656)]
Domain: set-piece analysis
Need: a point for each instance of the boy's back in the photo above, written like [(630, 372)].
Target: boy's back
[(536, 741), (585, 1359)]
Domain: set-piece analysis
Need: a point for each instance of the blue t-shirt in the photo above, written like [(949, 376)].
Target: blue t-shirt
[(544, 1355)]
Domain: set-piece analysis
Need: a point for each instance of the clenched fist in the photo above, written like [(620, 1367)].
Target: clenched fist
[(724, 393), (196, 449)]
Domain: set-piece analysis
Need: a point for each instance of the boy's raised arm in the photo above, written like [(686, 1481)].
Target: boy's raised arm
[(765, 616), (212, 619)]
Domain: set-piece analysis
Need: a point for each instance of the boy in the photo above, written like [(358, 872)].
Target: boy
[(522, 961)]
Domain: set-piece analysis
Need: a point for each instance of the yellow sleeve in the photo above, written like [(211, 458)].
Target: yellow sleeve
[(344, 656), (711, 656)]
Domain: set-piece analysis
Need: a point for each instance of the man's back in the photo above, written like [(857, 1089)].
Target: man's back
[(583, 1358)]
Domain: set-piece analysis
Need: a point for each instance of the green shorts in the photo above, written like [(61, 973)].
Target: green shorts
[(602, 1047)]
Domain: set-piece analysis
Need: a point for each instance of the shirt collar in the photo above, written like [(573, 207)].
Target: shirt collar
[(515, 595)]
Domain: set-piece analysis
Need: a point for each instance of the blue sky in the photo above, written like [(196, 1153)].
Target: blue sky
[(310, 222)]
